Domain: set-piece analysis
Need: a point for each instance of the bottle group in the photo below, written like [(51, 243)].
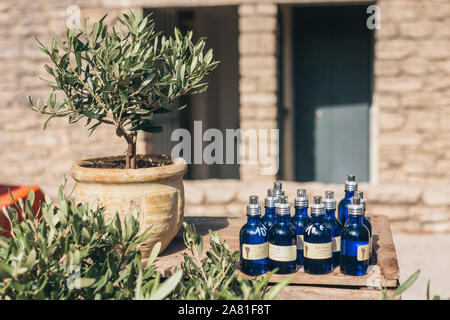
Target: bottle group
[(318, 242)]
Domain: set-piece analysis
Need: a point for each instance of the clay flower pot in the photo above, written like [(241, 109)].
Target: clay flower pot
[(157, 193)]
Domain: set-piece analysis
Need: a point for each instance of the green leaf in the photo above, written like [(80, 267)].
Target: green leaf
[(86, 282), (408, 283), (167, 286), (5, 271), (153, 254), (277, 288)]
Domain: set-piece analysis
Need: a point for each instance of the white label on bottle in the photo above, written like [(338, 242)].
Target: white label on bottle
[(363, 252), (318, 251), (255, 251), (299, 242), (282, 253), (370, 246), (336, 244)]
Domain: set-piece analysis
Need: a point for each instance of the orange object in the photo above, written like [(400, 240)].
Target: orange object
[(6, 201)]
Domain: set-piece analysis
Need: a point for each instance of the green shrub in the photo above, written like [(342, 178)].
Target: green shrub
[(71, 252)]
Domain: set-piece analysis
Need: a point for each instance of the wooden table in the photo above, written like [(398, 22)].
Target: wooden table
[(303, 286)]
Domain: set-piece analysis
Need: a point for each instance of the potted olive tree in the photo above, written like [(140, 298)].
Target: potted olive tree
[(121, 77)]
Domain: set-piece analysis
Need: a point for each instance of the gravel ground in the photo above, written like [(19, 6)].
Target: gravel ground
[(431, 254)]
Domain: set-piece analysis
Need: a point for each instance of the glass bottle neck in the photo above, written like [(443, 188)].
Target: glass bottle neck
[(301, 212), (317, 218), (270, 211), (331, 213), (354, 219), (253, 219), (349, 194), (285, 218)]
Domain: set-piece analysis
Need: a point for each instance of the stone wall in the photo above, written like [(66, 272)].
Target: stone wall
[(30, 155), (410, 127), (412, 92), (414, 209), (258, 76)]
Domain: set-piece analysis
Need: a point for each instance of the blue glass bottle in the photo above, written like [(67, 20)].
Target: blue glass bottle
[(366, 222), (282, 240), (355, 242), (253, 240), (334, 225), (350, 187), (300, 221), (269, 218), (317, 241)]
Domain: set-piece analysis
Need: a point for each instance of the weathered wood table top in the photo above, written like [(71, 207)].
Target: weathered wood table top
[(385, 269)]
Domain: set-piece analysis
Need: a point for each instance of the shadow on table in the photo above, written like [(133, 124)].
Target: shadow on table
[(202, 224), (375, 247)]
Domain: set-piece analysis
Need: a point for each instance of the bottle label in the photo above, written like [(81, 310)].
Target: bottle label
[(318, 250), (299, 242), (255, 251), (282, 253), (363, 252), (370, 246), (336, 244)]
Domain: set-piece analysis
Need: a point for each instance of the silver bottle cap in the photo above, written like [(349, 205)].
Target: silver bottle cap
[(329, 201), (355, 207), (301, 201), (360, 194), (350, 183), (282, 206), (271, 198), (317, 207), (253, 208), (278, 187)]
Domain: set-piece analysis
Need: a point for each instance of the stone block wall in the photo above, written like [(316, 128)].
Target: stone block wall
[(411, 130), (30, 155), (258, 77), (412, 92), (414, 209)]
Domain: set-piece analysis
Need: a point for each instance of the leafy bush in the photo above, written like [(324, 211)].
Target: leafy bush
[(121, 78), (71, 252), (214, 277)]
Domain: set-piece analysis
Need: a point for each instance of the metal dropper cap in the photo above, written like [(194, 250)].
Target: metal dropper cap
[(355, 207), (360, 194), (282, 206), (350, 183), (271, 198), (317, 207), (253, 208), (278, 186), (301, 201), (329, 200)]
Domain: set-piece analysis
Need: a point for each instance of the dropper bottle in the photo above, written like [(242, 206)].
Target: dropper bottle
[(300, 220), (269, 218), (334, 225), (317, 241), (253, 240), (350, 187), (355, 242), (365, 221), (282, 240)]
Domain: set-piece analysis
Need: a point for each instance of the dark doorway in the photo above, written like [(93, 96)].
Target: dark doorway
[(332, 75), (218, 107)]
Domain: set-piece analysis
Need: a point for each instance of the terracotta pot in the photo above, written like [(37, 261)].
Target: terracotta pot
[(156, 192)]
